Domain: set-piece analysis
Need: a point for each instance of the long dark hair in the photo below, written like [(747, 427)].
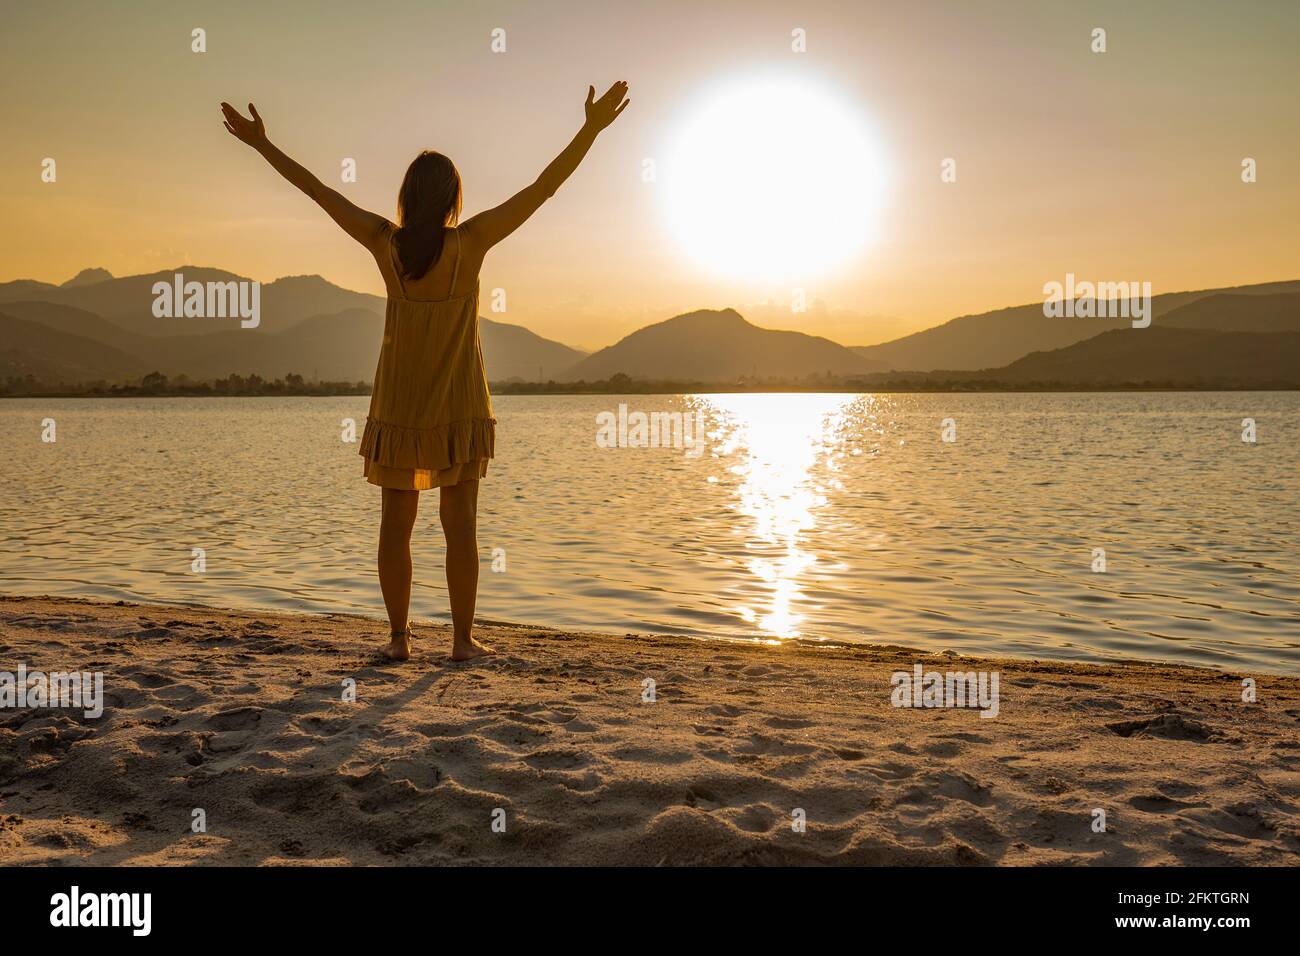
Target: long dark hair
[(428, 201)]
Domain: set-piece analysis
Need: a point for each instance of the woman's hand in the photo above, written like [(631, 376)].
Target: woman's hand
[(365, 227), (601, 112), (251, 131)]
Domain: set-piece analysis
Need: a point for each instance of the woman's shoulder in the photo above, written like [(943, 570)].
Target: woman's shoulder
[(383, 237)]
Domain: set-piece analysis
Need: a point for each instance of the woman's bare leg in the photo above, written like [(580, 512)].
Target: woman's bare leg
[(399, 508), (458, 509)]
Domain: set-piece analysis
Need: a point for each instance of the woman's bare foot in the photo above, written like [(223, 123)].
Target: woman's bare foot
[(399, 647), (466, 649)]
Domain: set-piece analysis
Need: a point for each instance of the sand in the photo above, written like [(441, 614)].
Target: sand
[(242, 716)]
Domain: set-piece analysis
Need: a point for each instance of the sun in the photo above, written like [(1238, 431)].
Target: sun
[(774, 178)]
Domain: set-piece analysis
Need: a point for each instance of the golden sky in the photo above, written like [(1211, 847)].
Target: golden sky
[(1120, 166)]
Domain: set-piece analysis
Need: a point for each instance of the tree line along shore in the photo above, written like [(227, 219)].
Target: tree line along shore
[(156, 384)]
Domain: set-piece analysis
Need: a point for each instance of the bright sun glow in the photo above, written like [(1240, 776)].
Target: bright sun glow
[(774, 179)]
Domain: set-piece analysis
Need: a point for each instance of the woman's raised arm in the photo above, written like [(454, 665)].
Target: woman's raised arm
[(363, 226), (491, 226)]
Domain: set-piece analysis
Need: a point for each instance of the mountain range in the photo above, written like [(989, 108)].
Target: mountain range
[(993, 339), (719, 346), (307, 325), (1154, 357), (97, 327)]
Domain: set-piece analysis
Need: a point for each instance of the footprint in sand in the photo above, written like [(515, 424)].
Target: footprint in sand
[(238, 718), (755, 819), (704, 730), (229, 743), (961, 735), (151, 632), (943, 749), (773, 746), (166, 743), (724, 710), (788, 723), (1288, 761), (1158, 803), (150, 679), (636, 754), (702, 798), (511, 734), (1167, 726), (1250, 821), (441, 730), (1177, 788), (954, 786), (329, 726), (891, 771), (556, 759), (560, 716)]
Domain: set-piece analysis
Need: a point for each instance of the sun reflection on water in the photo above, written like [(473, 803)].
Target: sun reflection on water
[(774, 444)]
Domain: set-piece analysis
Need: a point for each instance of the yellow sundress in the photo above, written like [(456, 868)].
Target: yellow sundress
[(430, 421)]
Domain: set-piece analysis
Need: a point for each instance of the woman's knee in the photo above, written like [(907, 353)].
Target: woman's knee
[(458, 510), (399, 509)]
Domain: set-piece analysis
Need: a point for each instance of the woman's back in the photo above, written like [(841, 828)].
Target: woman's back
[(430, 421), (448, 278)]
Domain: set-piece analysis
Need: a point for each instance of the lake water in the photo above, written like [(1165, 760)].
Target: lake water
[(816, 517)]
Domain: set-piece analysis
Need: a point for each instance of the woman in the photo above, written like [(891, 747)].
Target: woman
[(430, 423)]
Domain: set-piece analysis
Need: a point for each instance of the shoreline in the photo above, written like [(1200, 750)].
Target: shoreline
[(240, 714), (374, 618)]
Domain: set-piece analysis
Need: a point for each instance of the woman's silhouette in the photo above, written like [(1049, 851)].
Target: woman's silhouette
[(430, 423)]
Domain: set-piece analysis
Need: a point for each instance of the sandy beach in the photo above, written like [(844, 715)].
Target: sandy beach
[(553, 753)]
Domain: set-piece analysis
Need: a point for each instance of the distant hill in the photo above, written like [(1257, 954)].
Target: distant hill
[(73, 321), (1159, 356), (514, 352), (295, 298), (25, 289), (342, 346), (716, 346), (88, 277), (52, 356), (993, 339), (345, 346), (339, 347), (1232, 312), (128, 301)]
